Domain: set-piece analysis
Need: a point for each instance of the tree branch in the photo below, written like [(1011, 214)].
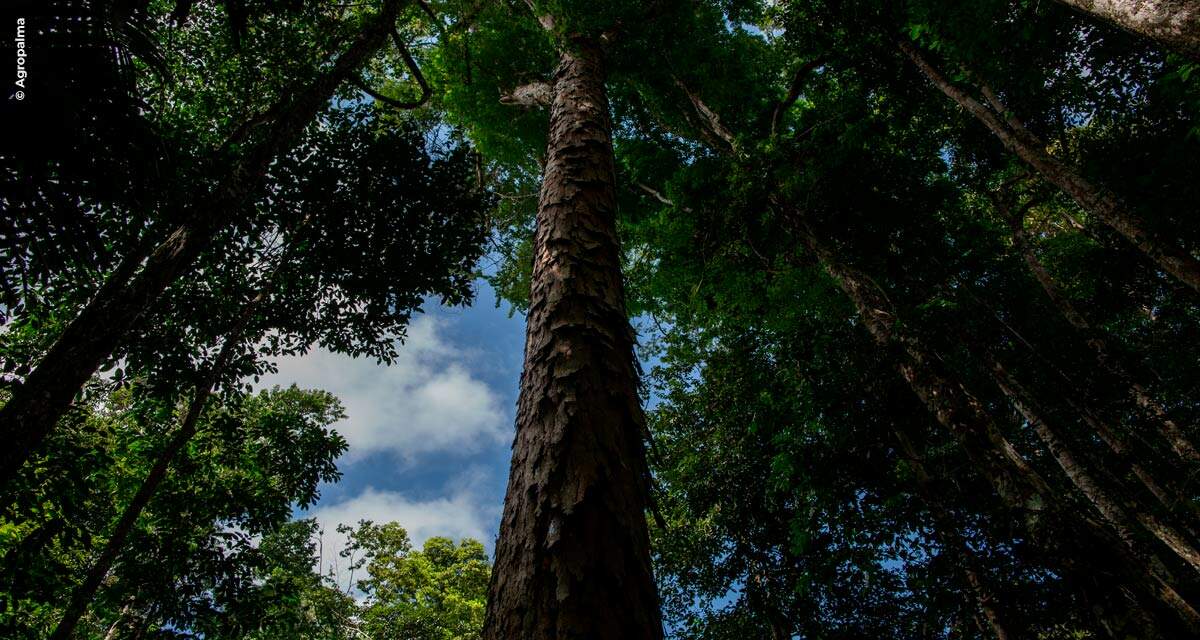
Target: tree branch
[(793, 93), (413, 69), (708, 116), (1003, 111), (657, 195), (534, 94), (546, 20), (431, 13)]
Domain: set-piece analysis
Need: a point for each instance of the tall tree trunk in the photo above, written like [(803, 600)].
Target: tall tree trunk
[(1166, 492), (1120, 515), (1061, 533), (573, 558), (1099, 201), (1134, 455), (1167, 428), (86, 590), (35, 407), (1175, 24)]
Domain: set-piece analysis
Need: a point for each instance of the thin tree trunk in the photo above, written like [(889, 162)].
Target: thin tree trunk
[(1093, 198), (781, 627), (955, 543), (1167, 428), (1016, 482), (1167, 493), (1133, 455), (1120, 516), (86, 590), (573, 559), (983, 596), (1175, 24), (1058, 531), (115, 628), (35, 407)]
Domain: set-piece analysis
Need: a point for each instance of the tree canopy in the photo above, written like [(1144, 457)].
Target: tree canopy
[(914, 286)]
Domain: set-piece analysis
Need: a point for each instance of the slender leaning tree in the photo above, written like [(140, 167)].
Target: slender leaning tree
[(136, 284)]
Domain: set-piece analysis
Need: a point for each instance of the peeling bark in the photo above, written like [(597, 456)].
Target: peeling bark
[(573, 559), (35, 407), (1099, 201), (1175, 24)]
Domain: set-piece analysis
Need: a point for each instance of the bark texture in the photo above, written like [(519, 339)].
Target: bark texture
[(1095, 199), (573, 558), (100, 328), (1175, 24)]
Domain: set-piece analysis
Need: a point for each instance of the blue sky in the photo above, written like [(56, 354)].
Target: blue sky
[(430, 435)]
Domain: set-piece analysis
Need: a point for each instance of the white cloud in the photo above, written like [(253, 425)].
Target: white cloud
[(426, 401), (458, 513)]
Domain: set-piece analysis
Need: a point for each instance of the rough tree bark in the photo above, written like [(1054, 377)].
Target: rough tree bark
[(1069, 537), (1093, 198), (573, 559), (1175, 24), (35, 406)]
